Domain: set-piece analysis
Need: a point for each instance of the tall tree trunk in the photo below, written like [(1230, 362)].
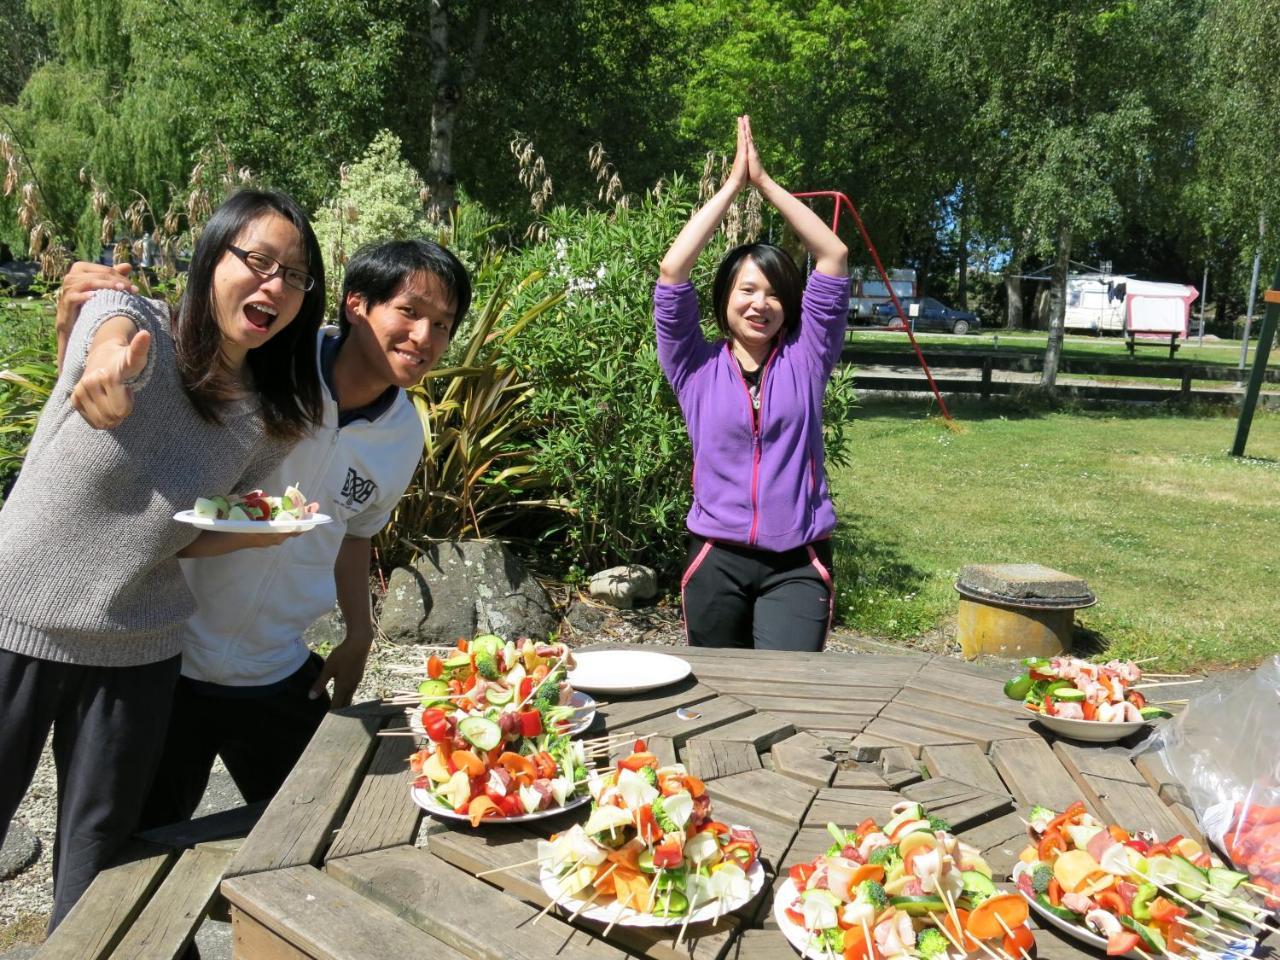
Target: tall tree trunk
[(962, 275), (1013, 280), (1057, 310), (448, 83)]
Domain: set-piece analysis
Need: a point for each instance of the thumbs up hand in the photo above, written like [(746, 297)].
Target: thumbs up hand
[(118, 355)]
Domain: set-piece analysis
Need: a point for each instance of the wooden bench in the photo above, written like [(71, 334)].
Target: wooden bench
[(1151, 340), (149, 904)]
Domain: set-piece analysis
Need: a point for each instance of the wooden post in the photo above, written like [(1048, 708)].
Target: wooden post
[(986, 378), (1265, 335), (1186, 382)]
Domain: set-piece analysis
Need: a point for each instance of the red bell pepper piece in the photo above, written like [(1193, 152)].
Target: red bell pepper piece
[(525, 689), (530, 723), (1121, 943), (435, 667), (667, 855), (800, 874)]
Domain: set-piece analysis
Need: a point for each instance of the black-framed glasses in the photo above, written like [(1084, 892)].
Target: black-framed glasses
[(268, 267)]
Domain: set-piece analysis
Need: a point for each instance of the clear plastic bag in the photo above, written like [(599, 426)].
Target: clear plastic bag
[(1225, 751)]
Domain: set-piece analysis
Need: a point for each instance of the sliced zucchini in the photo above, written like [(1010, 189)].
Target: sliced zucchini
[(1154, 713), (498, 695), (1151, 938), (433, 691), (1069, 695), (918, 906), (671, 904), (1062, 913), (1191, 879), (480, 732), (1224, 880)]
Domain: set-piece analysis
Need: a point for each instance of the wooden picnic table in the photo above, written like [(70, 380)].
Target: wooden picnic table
[(341, 866)]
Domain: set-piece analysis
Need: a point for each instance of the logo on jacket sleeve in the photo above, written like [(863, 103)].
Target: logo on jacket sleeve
[(356, 488)]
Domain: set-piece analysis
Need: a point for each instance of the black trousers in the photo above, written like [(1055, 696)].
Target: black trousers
[(258, 731), (108, 725), (734, 596)]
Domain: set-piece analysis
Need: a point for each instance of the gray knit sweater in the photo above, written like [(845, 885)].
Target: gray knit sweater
[(88, 572)]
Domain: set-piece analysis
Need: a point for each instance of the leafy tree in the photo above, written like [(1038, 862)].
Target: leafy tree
[(23, 46)]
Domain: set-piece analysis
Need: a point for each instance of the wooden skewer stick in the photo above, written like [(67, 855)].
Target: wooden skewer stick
[(684, 926), (543, 912), (1164, 703), (1208, 931), (1168, 676), (398, 733), (622, 906), (1164, 683), (586, 903), (1009, 930), (871, 944), (946, 932), (510, 866), (551, 670), (1204, 889), (955, 918), (1146, 660)]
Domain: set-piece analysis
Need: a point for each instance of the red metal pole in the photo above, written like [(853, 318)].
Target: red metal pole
[(842, 200)]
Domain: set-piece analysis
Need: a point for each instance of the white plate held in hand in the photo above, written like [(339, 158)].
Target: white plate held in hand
[(283, 525), (626, 671)]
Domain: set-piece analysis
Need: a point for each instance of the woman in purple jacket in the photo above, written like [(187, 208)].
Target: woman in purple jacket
[(759, 569)]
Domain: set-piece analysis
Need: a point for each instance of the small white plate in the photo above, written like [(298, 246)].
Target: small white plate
[(586, 715), (626, 671), (424, 799), (626, 917), (253, 526), (1094, 731)]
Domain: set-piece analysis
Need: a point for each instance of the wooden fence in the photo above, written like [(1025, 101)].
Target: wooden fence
[(988, 361)]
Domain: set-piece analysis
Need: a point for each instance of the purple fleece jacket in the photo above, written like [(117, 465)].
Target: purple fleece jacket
[(768, 488)]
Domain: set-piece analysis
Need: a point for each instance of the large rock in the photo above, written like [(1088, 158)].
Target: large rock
[(622, 586), (461, 589), (20, 850)]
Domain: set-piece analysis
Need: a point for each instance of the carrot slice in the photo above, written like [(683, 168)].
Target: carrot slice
[(468, 762), (962, 915), (868, 871), (984, 920), (480, 808)]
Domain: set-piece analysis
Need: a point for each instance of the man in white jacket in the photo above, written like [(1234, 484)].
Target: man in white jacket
[(251, 691)]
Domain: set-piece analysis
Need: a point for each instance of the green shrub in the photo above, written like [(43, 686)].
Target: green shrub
[(27, 375)]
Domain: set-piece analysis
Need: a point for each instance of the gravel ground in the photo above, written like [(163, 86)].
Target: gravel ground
[(25, 900)]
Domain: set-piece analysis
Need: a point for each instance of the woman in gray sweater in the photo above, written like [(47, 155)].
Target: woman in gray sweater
[(92, 600)]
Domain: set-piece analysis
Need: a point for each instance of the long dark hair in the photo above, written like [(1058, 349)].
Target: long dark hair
[(776, 264), (284, 368)]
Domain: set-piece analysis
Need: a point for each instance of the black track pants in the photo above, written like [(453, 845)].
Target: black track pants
[(735, 596), (108, 725), (258, 733)]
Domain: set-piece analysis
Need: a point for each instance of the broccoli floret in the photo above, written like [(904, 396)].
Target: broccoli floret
[(937, 823), (1040, 813), (831, 941), (665, 823), (487, 666), (841, 838), (1040, 878), (873, 893), (650, 776), (930, 944), (885, 856)]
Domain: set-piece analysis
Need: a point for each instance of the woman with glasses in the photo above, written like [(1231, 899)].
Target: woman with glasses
[(92, 600)]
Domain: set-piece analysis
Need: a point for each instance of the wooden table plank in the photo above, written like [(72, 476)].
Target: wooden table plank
[(766, 793), (884, 731), (1098, 760), (751, 687), (1034, 774), (711, 759), (1132, 806), (999, 841), (960, 810), (760, 730), (805, 758), (324, 919), (861, 777), (775, 703), (972, 706), (961, 727), (446, 903), (708, 715), (381, 814), (629, 713), (170, 919), (842, 725), (965, 763), (297, 824), (111, 904)]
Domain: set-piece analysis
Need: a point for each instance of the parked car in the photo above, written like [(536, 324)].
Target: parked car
[(16, 276), (926, 313)]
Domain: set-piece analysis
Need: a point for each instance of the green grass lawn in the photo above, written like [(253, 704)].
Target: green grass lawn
[(1180, 542)]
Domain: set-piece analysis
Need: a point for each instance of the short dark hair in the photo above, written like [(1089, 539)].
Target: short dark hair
[(283, 368), (378, 271), (776, 264)]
